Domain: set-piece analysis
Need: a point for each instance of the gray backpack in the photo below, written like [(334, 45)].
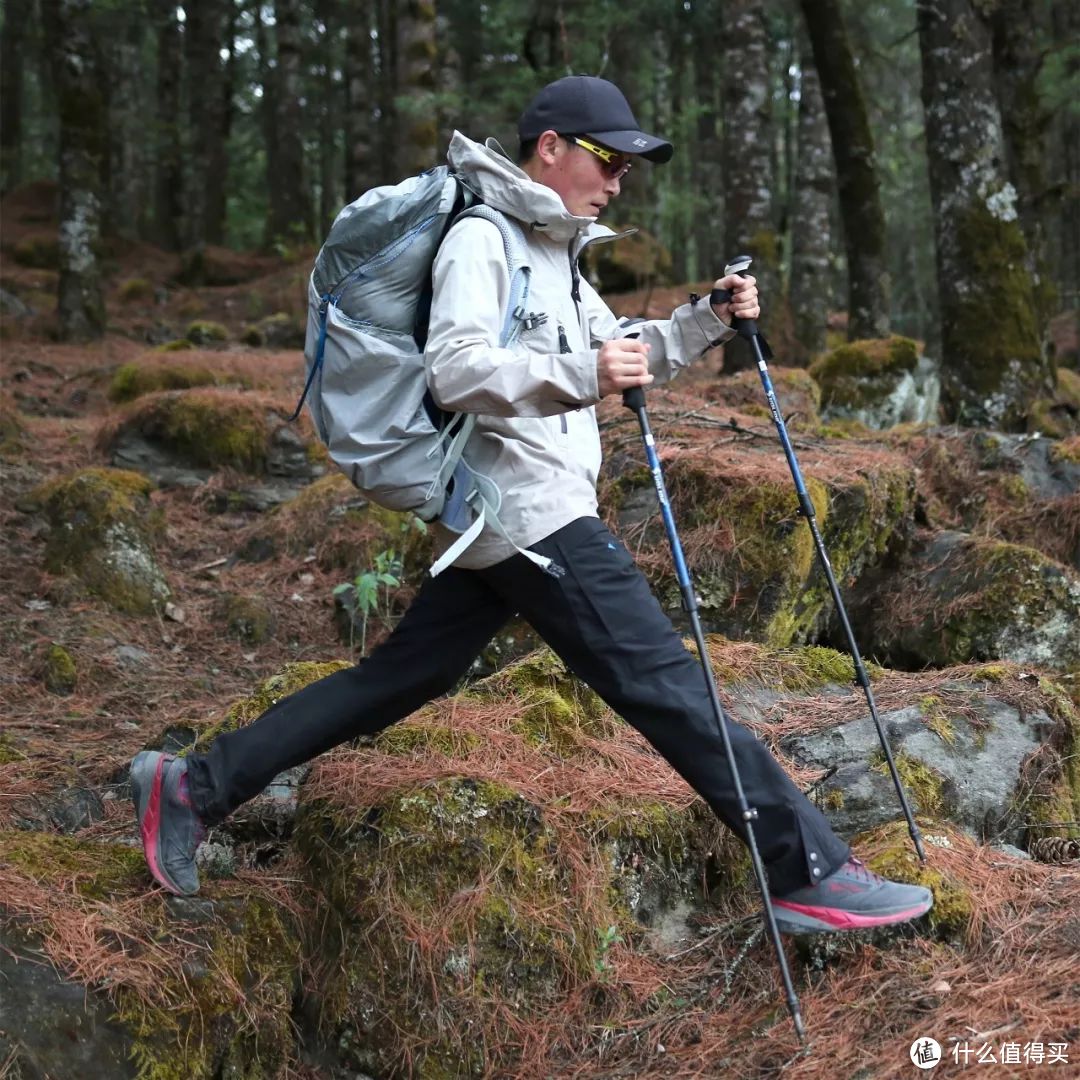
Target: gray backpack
[(368, 303)]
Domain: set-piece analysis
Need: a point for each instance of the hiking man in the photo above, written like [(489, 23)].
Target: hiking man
[(536, 440)]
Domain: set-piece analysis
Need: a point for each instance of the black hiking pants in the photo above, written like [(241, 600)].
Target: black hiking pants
[(603, 621)]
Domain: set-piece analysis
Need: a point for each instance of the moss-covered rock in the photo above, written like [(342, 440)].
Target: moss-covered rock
[(200, 992), (291, 678), (136, 288), (278, 331), (559, 711), (878, 382), (213, 428), (249, 619), (1058, 415), (345, 531), (102, 530), (59, 674), (799, 395), (752, 557), (959, 599), (204, 332), (149, 376)]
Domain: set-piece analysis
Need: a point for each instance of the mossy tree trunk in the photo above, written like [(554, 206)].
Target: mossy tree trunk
[(812, 193), (290, 212), (993, 364), (856, 170), (748, 174), (417, 118), (1065, 238), (1018, 60), (359, 117), (12, 46), (78, 79), (167, 129)]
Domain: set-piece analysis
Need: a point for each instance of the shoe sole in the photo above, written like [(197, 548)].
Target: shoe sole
[(804, 919), (147, 797)]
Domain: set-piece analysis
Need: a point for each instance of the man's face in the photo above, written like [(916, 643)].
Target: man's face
[(583, 180)]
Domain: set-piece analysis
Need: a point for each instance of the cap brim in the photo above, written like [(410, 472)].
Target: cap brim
[(636, 142)]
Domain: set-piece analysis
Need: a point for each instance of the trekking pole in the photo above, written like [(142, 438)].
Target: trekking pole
[(747, 328), (634, 399)]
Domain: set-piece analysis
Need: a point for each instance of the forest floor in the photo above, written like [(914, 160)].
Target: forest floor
[(139, 676)]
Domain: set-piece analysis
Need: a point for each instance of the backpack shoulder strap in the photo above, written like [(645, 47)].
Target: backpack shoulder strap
[(517, 265)]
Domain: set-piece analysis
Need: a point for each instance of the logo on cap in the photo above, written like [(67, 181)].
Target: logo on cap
[(640, 142)]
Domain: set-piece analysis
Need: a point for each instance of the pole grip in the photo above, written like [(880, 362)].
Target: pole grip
[(634, 398)]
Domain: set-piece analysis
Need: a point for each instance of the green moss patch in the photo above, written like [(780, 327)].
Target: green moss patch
[(134, 380), (850, 376), (59, 673), (951, 914)]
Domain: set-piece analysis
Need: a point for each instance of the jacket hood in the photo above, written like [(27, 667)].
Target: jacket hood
[(488, 171)]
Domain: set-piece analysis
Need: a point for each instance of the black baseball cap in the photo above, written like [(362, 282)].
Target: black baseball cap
[(586, 105)]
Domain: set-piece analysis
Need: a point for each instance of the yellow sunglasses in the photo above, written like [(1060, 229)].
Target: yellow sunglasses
[(615, 165)]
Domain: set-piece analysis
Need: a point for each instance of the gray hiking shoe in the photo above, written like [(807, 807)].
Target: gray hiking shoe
[(170, 828), (851, 898)]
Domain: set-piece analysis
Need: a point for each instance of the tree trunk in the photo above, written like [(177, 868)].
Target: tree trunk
[(290, 212), (749, 223), (12, 46), (206, 28), (993, 365), (124, 169), (358, 121), (810, 239), (168, 130), (78, 79), (417, 118), (387, 168), (329, 116), (856, 171), (217, 172)]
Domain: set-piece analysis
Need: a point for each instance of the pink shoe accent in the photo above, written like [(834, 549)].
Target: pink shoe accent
[(152, 820), (848, 920), (182, 792)]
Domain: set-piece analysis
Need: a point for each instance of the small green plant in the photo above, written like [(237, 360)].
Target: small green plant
[(361, 595), (608, 937)]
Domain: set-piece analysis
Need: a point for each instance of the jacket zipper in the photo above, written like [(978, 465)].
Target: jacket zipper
[(564, 347)]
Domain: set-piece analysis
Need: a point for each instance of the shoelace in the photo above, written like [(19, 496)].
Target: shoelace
[(860, 871)]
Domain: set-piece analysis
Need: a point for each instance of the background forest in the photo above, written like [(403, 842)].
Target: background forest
[(842, 158)]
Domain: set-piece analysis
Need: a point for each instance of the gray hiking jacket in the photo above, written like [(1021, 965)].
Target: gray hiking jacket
[(536, 434)]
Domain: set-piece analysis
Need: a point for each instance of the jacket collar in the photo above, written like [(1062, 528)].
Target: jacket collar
[(501, 184)]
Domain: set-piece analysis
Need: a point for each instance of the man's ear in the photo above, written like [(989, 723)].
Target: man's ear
[(547, 146)]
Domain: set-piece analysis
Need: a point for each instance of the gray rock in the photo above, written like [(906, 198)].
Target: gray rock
[(132, 658), (11, 305), (974, 777), (50, 1027)]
